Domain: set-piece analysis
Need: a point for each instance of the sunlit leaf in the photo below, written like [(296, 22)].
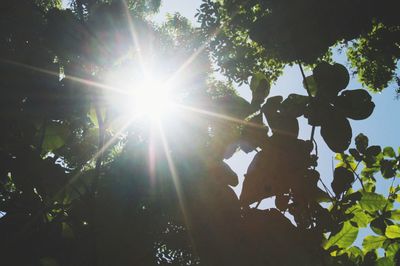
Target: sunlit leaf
[(389, 152), (373, 242), (393, 231), (344, 238), (385, 262), (372, 202), (55, 136)]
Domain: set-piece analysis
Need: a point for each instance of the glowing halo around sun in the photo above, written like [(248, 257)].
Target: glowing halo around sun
[(142, 95)]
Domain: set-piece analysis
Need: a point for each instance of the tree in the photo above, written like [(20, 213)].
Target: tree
[(83, 182)]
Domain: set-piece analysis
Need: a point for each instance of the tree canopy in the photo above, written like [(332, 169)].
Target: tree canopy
[(116, 131)]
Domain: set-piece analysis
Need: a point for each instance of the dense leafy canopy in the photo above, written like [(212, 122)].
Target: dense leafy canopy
[(83, 184), (264, 35)]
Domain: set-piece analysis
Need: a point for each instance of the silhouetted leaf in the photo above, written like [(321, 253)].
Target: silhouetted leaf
[(355, 104), (330, 79), (361, 142), (342, 180), (260, 87), (373, 150), (336, 131), (294, 105)]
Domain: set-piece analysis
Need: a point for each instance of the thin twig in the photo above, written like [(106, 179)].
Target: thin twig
[(309, 95)]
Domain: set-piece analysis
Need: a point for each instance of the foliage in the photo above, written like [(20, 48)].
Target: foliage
[(73, 191), (265, 35)]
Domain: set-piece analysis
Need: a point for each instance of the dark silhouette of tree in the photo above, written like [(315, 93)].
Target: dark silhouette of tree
[(84, 183)]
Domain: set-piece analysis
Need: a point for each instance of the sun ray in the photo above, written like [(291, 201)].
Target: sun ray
[(221, 116), (176, 181), (68, 77)]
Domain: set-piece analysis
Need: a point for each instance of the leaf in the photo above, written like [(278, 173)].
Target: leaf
[(392, 249), (389, 152), (357, 156), (330, 79), (342, 180), (393, 231), (312, 85), (360, 217), (373, 150), (294, 105), (260, 87), (254, 134), (373, 242), (355, 104), (278, 122), (55, 136), (385, 262), (336, 131), (372, 202), (344, 238), (361, 142), (395, 215), (388, 168)]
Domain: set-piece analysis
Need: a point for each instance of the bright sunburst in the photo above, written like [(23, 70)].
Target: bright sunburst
[(146, 95)]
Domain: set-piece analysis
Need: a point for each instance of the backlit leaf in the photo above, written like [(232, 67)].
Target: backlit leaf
[(393, 231), (373, 242), (372, 202), (344, 238)]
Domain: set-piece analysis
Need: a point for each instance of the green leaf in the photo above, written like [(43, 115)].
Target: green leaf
[(360, 217), (373, 242), (344, 238), (392, 249), (395, 215), (385, 262), (389, 152), (372, 202), (55, 136), (393, 231)]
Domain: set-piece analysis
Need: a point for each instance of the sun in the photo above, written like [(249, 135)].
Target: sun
[(146, 95)]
